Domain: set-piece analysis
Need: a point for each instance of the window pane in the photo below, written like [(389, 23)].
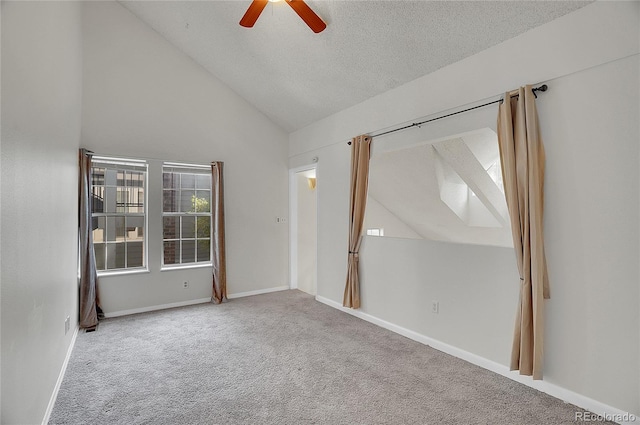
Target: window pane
[(110, 177), (203, 250), (122, 199), (136, 200), (188, 252), (203, 181), (188, 227), (172, 252), (135, 179), (110, 200), (120, 178), (203, 227), (134, 254), (170, 201), (97, 176), (188, 181), (170, 180), (187, 201), (201, 202), (115, 228), (99, 224), (97, 204), (99, 249), (120, 229), (135, 228), (110, 229), (115, 256), (170, 229)]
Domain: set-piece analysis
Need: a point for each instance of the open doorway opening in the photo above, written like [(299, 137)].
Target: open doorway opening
[(303, 228)]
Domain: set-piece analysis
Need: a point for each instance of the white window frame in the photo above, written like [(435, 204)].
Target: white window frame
[(186, 169), (375, 231), (141, 165)]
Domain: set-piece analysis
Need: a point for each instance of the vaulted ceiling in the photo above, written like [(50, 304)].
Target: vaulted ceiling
[(296, 77)]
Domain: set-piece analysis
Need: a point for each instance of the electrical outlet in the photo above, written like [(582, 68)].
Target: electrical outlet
[(67, 324), (435, 307), (281, 220), (185, 284)]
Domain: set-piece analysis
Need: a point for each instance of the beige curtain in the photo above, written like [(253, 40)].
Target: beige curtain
[(88, 275), (360, 154), (522, 156), (217, 234)]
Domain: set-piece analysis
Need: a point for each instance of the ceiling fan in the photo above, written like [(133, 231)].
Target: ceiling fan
[(299, 6)]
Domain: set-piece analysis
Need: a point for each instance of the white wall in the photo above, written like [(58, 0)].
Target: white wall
[(379, 217), (589, 122), (307, 235), (144, 98), (41, 110)]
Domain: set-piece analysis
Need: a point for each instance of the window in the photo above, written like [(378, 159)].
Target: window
[(375, 232), (119, 213), (186, 217)]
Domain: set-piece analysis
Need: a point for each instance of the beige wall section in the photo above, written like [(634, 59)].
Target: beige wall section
[(41, 110), (590, 128), (592, 228), (307, 235), (144, 98)]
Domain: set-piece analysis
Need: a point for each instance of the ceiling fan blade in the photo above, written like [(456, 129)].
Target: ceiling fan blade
[(253, 12), (308, 16)]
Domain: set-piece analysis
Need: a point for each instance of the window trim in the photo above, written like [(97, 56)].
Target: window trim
[(189, 169), (145, 242)]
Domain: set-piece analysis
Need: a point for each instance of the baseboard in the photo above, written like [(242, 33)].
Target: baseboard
[(603, 411), (191, 302), (156, 307), (63, 370), (258, 292)]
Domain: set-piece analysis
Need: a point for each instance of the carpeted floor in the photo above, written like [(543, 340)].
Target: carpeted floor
[(280, 358)]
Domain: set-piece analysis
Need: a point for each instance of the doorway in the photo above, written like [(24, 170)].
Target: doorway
[(303, 228)]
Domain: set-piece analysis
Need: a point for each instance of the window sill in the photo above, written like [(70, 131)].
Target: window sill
[(185, 266), (107, 273)]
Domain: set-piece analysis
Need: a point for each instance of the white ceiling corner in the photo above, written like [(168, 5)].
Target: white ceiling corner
[(296, 77)]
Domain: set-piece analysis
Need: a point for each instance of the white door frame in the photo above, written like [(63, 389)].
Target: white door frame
[(293, 224)]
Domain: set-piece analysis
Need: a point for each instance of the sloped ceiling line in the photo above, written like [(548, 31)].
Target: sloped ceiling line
[(435, 234), (458, 155)]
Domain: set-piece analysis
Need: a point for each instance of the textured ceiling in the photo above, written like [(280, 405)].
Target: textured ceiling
[(296, 77)]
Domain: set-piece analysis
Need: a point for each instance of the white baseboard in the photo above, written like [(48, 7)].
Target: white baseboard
[(63, 370), (258, 292), (156, 307), (603, 410), (190, 302)]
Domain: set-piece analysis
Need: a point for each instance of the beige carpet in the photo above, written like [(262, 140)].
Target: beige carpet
[(280, 358)]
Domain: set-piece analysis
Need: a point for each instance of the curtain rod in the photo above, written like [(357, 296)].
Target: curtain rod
[(147, 158), (542, 88)]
